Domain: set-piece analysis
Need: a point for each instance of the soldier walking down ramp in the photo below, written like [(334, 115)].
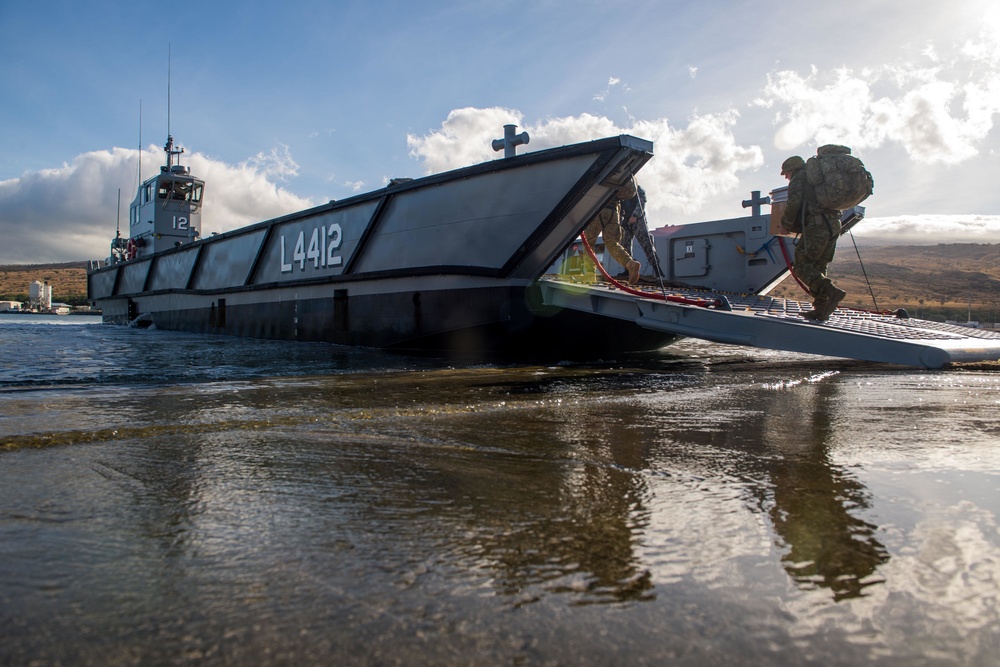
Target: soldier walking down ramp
[(608, 225), (820, 229)]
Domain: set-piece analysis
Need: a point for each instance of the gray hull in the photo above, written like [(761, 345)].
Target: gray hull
[(447, 262)]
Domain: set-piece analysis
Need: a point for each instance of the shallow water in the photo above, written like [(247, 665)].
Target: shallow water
[(177, 499)]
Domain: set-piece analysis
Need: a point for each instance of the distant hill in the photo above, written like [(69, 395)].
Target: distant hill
[(939, 281), (935, 282), (68, 281)]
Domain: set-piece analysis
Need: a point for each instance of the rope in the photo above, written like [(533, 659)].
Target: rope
[(865, 273), (788, 263), (765, 246), (703, 303)]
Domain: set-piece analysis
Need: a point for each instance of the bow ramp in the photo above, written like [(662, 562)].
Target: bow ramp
[(777, 324)]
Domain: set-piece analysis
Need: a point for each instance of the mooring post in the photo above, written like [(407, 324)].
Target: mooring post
[(756, 201), (510, 141)]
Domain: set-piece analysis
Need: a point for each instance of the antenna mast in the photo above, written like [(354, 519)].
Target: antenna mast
[(168, 90), (139, 175), (169, 148)]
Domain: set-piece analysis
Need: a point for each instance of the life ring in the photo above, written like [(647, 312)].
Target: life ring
[(131, 249)]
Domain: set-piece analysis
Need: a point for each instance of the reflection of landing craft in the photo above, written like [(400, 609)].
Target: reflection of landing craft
[(469, 260)]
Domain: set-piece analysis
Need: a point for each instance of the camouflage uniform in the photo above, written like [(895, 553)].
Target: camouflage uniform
[(634, 225), (608, 224), (820, 230)]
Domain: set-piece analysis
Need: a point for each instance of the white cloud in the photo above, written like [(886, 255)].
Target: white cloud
[(278, 163), (612, 82), (930, 229), (938, 111), (947, 576), (691, 166), (696, 164), (69, 213), (464, 138), (237, 195)]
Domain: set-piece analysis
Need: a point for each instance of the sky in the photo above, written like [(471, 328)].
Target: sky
[(283, 106)]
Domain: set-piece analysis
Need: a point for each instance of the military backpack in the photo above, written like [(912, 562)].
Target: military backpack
[(839, 179)]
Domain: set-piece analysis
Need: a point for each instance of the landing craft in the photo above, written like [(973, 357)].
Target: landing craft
[(475, 260)]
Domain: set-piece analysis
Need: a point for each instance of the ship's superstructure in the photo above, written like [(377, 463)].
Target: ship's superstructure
[(165, 213)]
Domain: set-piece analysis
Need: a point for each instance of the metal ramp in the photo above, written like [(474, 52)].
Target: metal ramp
[(773, 323)]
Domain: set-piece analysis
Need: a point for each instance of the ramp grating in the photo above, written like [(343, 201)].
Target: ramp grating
[(775, 323), (886, 325)]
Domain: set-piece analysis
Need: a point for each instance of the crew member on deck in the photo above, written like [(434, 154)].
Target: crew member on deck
[(607, 223)]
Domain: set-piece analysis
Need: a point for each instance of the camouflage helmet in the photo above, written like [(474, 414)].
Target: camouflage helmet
[(792, 164)]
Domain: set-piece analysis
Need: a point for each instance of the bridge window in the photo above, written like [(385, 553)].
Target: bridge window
[(181, 190)]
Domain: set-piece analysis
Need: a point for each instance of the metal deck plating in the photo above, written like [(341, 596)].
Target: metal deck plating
[(775, 323)]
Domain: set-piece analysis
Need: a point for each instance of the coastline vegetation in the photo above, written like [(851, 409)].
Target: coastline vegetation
[(68, 281), (937, 282)]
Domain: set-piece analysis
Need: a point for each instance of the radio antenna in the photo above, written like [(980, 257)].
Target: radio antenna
[(168, 89), (139, 174), (169, 147)]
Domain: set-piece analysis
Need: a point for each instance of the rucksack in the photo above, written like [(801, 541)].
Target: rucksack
[(839, 179)]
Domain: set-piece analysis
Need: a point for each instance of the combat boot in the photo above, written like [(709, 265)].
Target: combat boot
[(825, 308), (817, 304), (633, 272), (814, 313)]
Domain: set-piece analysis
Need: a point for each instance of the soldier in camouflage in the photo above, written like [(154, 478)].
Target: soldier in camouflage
[(635, 226), (820, 230), (608, 224)]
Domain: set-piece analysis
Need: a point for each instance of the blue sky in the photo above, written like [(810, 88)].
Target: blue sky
[(285, 105)]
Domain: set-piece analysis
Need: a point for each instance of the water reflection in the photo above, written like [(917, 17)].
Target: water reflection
[(816, 503), (581, 504), (776, 438), (267, 504), (564, 503), (518, 470), (577, 537)]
